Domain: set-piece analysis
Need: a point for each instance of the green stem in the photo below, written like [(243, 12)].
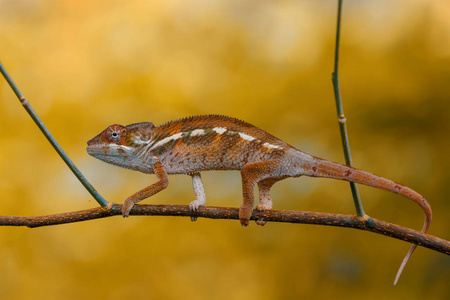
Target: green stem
[(341, 116), (52, 140)]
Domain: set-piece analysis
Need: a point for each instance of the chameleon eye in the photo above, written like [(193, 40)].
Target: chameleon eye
[(113, 134)]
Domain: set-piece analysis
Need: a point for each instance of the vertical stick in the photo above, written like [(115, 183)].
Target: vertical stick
[(341, 117), (52, 140)]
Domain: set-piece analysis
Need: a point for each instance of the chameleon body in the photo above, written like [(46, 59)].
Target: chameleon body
[(212, 142)]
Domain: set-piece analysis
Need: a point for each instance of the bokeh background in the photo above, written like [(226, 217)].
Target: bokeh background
[(87, 64)]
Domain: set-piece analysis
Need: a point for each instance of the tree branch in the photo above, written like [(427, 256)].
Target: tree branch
[(351, 221), (26, 104), (341, 117)]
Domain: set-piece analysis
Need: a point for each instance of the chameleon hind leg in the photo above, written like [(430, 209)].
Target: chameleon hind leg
[(265, 201), (252, 174)]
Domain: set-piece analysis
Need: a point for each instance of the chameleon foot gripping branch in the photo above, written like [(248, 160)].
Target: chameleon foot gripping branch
[(52, 140)]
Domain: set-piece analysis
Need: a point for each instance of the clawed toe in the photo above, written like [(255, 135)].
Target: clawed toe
[(194, 205), (261, 222)]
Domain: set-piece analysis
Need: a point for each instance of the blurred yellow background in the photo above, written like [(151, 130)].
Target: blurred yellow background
[(87, 64)]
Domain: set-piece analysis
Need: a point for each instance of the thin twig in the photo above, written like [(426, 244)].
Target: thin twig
[(303, 217), (26, 104), (340, 113)]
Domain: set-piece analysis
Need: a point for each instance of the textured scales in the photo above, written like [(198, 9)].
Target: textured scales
[(212, 142)]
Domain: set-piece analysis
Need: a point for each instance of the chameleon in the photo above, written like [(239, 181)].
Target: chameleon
[(214, 142)]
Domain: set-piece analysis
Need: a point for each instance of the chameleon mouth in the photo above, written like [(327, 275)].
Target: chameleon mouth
[(101, 150), (114, 156), (97, 150)]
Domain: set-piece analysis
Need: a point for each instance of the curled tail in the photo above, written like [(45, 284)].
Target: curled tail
[(328, 169)]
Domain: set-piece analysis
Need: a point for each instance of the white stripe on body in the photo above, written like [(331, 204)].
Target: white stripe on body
[(197, 132), (219, 130), (174, 137), (272, 146), (246, 137)]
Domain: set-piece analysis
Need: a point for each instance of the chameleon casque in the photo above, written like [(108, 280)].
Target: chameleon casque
[(213, 142)]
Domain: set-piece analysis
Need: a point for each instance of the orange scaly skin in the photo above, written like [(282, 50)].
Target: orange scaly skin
[(213, 142)]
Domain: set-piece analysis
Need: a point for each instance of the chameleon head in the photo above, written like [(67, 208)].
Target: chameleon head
[(121, 145)]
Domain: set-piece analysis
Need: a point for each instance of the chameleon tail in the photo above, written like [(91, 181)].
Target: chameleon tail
[(325, 168)]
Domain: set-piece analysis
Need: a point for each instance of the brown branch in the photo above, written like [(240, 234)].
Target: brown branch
[(368, 224)]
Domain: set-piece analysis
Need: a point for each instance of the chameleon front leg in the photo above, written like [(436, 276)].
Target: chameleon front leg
[(199, 190), (162, 183)]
